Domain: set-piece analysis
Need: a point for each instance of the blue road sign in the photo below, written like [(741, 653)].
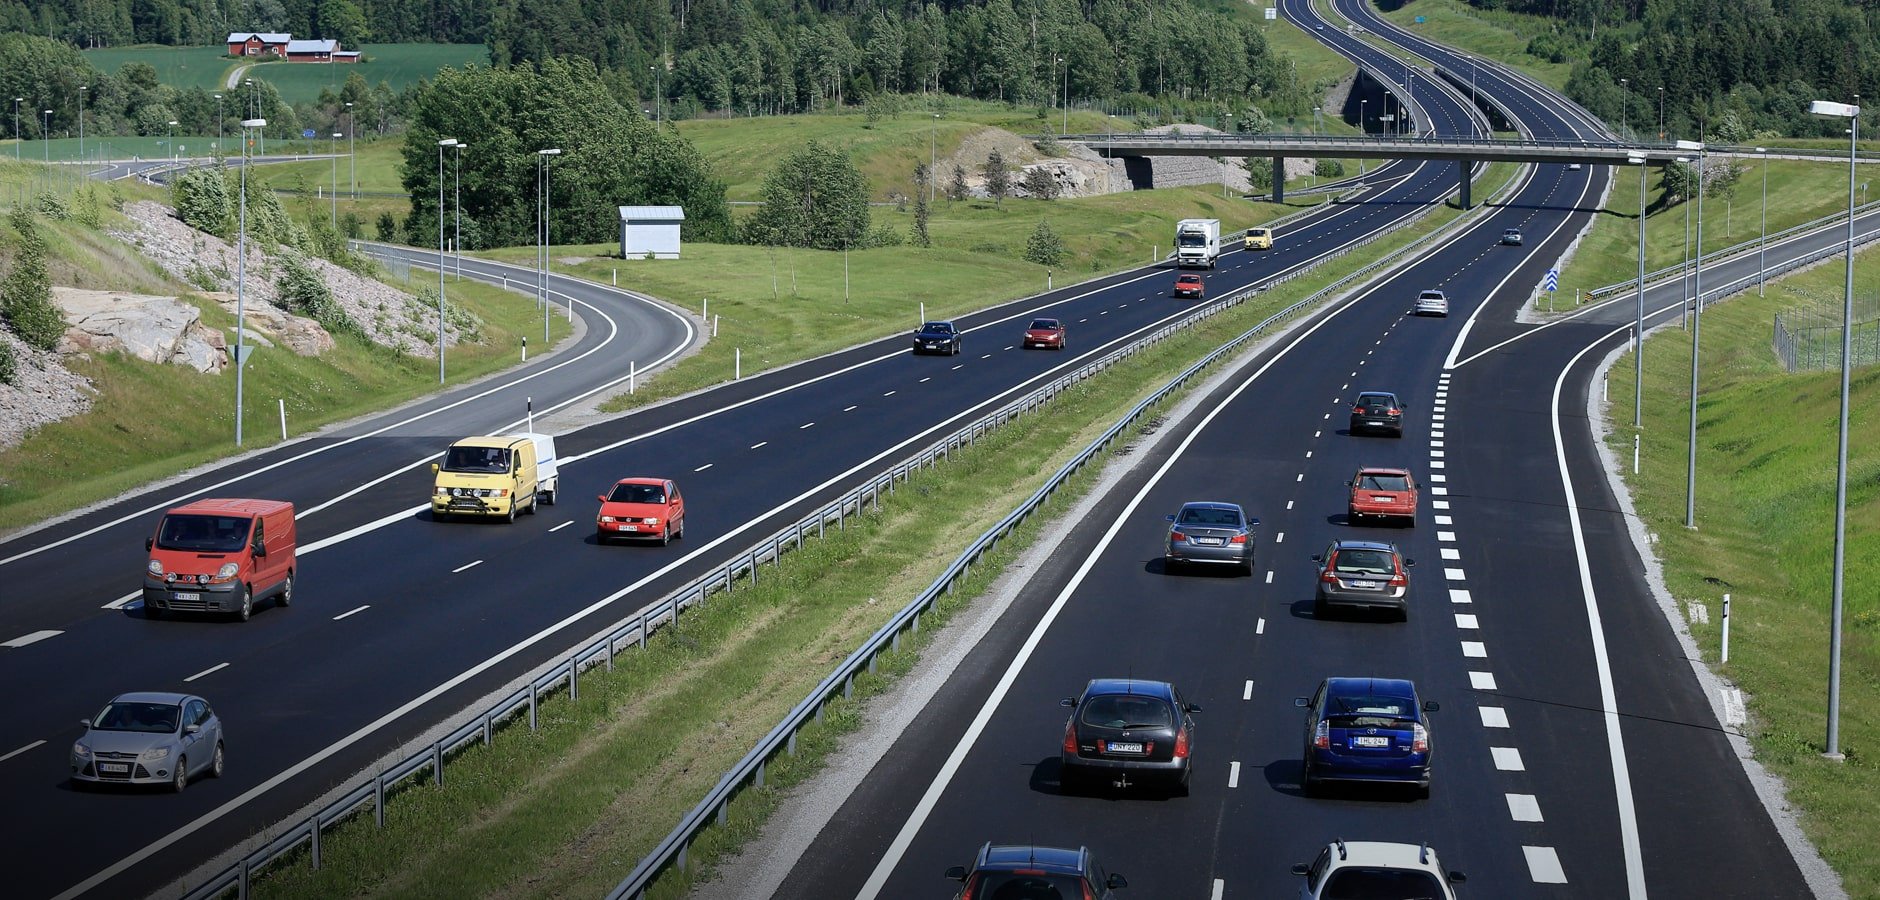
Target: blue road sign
[(1419, 20), (307, 134), (1553, 279)]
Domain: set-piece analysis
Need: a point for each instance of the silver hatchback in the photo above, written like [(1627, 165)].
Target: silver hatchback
[(149, 738), (1210, 532)]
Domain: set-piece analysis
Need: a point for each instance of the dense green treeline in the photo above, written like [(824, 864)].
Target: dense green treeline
[(1732, 68)]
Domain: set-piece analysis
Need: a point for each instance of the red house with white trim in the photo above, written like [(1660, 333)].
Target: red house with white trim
[(258, 43)]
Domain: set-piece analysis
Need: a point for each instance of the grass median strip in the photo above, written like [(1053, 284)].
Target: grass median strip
[(569, 810), (1765, 501)]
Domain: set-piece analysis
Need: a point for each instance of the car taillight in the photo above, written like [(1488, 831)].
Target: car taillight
[(1070, 738), (1398, 580), (1322, 735), (1177, 536), (1087, 892), (1394, 412), (1181, 744), (1238, 539), (1357, 409), (1419, 739), (971, 883), (1329, 576)]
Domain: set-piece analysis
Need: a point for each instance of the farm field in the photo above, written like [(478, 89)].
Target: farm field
[(399, 65), (179, 67)]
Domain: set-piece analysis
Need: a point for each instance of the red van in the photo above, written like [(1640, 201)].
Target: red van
[(221, 556)]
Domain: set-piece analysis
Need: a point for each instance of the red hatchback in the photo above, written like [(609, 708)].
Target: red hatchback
[(641, 508), (1380, 493), (1188, 286), (1045, 333)]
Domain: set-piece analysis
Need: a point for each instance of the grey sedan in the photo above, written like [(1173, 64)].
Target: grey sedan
[(149, 738), (1211, 532), (1363, 575)]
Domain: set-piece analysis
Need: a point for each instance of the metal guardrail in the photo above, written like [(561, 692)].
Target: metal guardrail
[(1730, 251), (1712, 295), (750, 770)]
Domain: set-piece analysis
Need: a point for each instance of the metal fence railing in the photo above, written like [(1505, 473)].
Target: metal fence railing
[(1816, 347), (750, 771), (1715, 256)]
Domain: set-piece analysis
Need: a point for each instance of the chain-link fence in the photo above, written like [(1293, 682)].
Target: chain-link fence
[(1806, 344)]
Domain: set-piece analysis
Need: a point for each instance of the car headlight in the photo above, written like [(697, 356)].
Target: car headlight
[(156, 753), (155, 568), (441, 492), (79, 749), (228, 570), (651, 520), (607, 518)]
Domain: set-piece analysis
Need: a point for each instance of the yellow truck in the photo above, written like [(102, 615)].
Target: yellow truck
[(496, 475), (1258, 239)]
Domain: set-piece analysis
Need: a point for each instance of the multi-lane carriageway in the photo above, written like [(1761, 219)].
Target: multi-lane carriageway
[(400, 621), (1576, 754)]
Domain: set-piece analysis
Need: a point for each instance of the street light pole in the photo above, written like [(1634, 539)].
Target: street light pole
[(933, 158), (1625, 93), (352, 161), (456, 206), (241, 278), (1697, 327), (1762, 252), (45, 137), (1852, 112), (336, 137), (1638, 325), (172, 140), (219, 136), (1066, 128), (446, 142), (81, 121), (1661, 112), (547, 156), (18, 138)]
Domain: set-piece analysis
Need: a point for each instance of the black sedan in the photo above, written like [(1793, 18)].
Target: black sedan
[(1121, 727), (937, 337), (1210, 532), (1377, 411)]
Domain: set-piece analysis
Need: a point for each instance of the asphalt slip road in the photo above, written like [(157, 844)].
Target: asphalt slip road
[(399, 621), (1576, 754)]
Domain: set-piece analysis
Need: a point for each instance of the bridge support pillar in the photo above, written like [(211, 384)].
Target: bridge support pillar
[(1279, 179), (1462, 170)]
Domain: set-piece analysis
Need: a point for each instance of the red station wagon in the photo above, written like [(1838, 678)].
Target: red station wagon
[(1380, 493), (641, 508)]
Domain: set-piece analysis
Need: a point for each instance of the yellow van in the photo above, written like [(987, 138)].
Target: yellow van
[(487, 476), (1259, 239)]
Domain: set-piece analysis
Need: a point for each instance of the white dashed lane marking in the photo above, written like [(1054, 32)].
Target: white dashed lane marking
[(1544, 865), (1458, 595), (466, 567), (1475, 649), (1247, 692), (852, 409), (704, 467), (33, 638), (209, 671), (21, 750), (561, 526), (890, 393), (1444, 520), (958, 367), (1439, 504), (1219, 887), (1259, 627), (1450, 553), (1466, 621), (987, 356), (1439, 491), (762, 443), (352, 612), (1233, 774), (804, 425), (1524, 808), (1269, 576), (1493, 717), (1482, 681), (1508, 759), (1446, 536), (1280, 538), (927, 379)]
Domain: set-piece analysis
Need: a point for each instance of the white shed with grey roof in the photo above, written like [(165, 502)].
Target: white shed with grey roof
[(650, 229)]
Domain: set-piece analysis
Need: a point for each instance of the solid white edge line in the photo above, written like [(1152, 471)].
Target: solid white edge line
[(21, 750), (351, 612), (922, 809), (1615, 741), (209, 671), (33, 638)]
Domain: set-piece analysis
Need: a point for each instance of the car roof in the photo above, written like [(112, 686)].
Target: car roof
[(1381, 470), (1387, 687), (1355, 544), (1389, 394), (232, 506), (1432, 292), (642, 479), (1014, 856), (1135, 686), (164, 697), (935, 324), (1384, 853), (1212, 504)]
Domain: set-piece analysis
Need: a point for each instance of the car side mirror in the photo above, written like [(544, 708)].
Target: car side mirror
[(1252, 521), (191, 728), (957, 873), (1409, 563), (434, 468), (1301, 869), (1457, 878), (1068, 702), (1116, 881), (149, 543), (1350, 483), (1191, 707), (1301, 702), (1170, 517), (601, 497), (1431, 706), (85, 724), (261, 551), (1317, 558)]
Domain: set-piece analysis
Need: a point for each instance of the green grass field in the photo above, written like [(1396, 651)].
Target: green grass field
[(399, 65), (179, 67), (1497, 34), (1766, 449)]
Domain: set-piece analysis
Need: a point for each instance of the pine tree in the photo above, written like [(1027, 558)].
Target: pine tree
[(998, 178), (956, 189), (921, 238), (1038, 183), (1044, 247), (26, 294)]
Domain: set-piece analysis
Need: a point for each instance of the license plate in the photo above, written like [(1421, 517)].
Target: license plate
[(1208, 542), (1383, 499), (1368, 741), (185, 595), (117, 768), (1125, 747), (1364, 585), (629, 528)]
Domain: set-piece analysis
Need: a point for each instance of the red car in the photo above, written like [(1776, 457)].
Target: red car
[(1188, 286), (641, 508), (1045, 333), (1380, 493)]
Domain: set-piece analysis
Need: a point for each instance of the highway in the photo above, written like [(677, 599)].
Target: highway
[(399, 621), (1576, 754)]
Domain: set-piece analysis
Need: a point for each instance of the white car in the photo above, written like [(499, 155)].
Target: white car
[(1573, 167), (1376, 869), (1431, 303)]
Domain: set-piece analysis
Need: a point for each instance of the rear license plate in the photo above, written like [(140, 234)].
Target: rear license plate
[(191, 596), (1208, 542), (114, 768), (1368, 741), (1364, 585), (1378, 499), (1125, 747)]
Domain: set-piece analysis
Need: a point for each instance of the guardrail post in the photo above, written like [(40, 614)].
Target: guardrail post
[(871, 662), (848, 687), (761, 766), (437, 763), (610, 654), (574, 677), (241, 884), (724, 810), (378, 799), (790, 747), (754, 557), (675, 610), (316, 843), (643, 628), (683, 848), (486, 730)]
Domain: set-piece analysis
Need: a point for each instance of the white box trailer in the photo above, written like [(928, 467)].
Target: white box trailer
[(1197, 243)]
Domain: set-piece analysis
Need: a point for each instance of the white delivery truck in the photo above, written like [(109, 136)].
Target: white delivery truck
[(1197, 243)]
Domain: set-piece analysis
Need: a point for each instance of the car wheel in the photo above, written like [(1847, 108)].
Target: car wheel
[(550, 500), (679, 532), (1423, 792), (244, 606), (1319, 609), (600, 537), (181, 781), (216, 765), (665, 535), (535, 501), (510, 516), (286, 597)]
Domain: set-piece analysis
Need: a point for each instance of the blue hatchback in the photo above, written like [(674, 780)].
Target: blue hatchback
[(1367, 729)]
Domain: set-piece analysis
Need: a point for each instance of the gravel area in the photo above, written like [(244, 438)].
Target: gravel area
[(43, 391)]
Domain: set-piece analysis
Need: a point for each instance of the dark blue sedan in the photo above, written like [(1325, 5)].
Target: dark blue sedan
[(1367, 729)]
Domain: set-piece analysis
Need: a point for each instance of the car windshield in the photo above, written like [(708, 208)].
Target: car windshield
[(1044, 324), (1186, 239), (1256, 232), (936, 328), (1364, 883), (1432, 295), (155, 718), (1126, 711), (1512, 231), (1026, 886), (637, 493), (1377, 482), (1365, 562), (204, 534), (1202, 515), (1375, 401), (477, 460)]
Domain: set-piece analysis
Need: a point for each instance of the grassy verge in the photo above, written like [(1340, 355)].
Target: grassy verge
[(1499, 35), (974, 262), (1798, 192), (570, 809), (1765, 499)]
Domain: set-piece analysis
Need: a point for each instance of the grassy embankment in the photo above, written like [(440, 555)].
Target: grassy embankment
[(1499, 35), (84, 459), (569, 810), (1766, 450)]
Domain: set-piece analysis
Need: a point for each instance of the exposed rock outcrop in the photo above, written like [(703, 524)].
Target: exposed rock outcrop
[(43, 391), (153, 329)]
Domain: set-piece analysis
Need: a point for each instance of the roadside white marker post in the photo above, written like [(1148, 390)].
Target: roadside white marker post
[(1047, 279), (714, 326), (1726, 628), (283, 402), (737, 363), (1635, 454), (633, 375), (525, 348), (707, 313), (616, 276), (530, 401), (923, 314)]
